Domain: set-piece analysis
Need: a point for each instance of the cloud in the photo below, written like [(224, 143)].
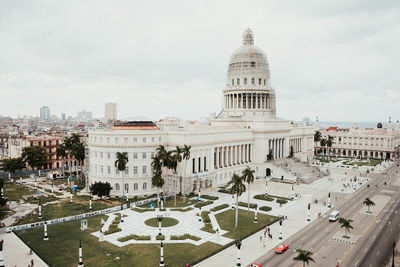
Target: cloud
[(170, 58)]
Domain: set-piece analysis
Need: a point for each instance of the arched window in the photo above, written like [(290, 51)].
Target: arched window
[(238, 82), (253, 81), (117, 187), (245, 81), (144, 186), (259, 81), (264, 82), (135, 186), (126, 187), (233, 82)]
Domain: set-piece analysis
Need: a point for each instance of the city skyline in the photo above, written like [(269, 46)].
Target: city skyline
[(322, 55)]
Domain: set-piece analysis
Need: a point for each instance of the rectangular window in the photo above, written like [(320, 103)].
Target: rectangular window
[(135, 156), (116, 140), (253, 81), (116, 171), (200, 170), (108, 155), (205, 163), (144, 170), (144, 139), (101, 154), (135, 170), (144, 155), (101, 139), (126, 140), (194, 165), (101, 169), (152, 154), (159, 139), (135, 139), (127, 170), (152, 139), (108, 140), (108, 169)]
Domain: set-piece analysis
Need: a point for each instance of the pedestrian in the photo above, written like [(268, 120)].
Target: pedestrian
[(261, 238), (264, 243), (32, 262), (269, 230), (30, 251)]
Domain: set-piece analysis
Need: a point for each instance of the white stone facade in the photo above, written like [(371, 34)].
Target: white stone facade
[(244, 133)]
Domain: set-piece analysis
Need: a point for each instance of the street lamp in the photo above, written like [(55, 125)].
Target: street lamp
[(266, 185), (200, 212), (40, 211), (46, 237), (292, 192), (233, 201), (393, 248), (159, 218), (329, 199), (308, 212), (255, 215), (122, 217), (162, 263), (280, 228), (80, 263), (238, 245)]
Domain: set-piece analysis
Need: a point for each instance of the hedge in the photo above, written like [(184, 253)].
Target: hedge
[(224, 191), (244, 204), (209, 197), (182, 209), (135, 237), (142, 210), (113, 228), (263, 197), (202, 204), (207, 222), (281, 201), (220, 207), (160, 237), (265, 208), (185, 236)]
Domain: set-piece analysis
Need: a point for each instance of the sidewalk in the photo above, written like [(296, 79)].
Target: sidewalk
[(18, 257)]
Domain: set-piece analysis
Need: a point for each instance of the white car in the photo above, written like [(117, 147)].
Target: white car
[(334, 216)]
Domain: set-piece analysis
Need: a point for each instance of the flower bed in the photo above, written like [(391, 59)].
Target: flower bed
[(202, 204), (220, 207), (135, 237), (185, 236), (263, 197)]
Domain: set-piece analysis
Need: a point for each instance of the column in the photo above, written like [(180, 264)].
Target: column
[(245, 153), (237, 101), (251, 101), (249, 152), (234, 155)]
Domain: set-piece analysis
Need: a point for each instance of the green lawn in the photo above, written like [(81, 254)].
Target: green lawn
[(170, 203), (62, 248), (246, 223), (165, 222), (15, 192)]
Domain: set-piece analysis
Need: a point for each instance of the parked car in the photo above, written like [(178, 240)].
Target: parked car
[(281, 248), (334, 216)]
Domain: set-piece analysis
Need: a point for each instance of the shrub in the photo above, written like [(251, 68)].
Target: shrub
[(135, 237), (265, 208), (142, 210), (185, 236), (220, 207), (207, 222), (209, 197), (117, 219), (263, 197), (224, 191), (208, 228), (160, 237), (202, 204), (205, 217), (113, 228), (182, 209), (281, 201), (244, 204)]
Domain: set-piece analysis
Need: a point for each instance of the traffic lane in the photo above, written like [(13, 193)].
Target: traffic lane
[(330, 253)]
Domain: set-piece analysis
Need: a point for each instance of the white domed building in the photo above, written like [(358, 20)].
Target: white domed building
[(245, 133)]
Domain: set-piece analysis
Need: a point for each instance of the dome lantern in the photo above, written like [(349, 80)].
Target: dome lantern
[(248, 37)]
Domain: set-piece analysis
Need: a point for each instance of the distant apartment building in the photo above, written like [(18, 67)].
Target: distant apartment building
[(377, 143), (84, 115), (63, 117), (45, 113), (110, 112)]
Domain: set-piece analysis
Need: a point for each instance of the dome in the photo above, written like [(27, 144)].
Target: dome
[(249, 57)]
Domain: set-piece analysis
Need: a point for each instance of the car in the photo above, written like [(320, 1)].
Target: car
[(334, 216), (281, 248)]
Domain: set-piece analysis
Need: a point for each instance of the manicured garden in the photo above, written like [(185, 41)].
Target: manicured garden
[(165, 222)]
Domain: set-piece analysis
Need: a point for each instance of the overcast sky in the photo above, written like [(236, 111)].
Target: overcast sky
[(338, 60)]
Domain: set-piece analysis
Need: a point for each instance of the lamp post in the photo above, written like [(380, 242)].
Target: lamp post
[(46, 237), (292, 192), (280, 228), (90, 203), (233, 201), (200, 213), (80, 262), (159, 218), (70, 198), (266, 185), (308, 212), (329, 199), (122, 217), (255, 215), (162, 205), (1, 254), (162, 263), (40, 211), (393, 248), (238, 245)]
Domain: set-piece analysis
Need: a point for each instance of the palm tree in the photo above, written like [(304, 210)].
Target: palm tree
[(248, 177), (346, 224), (186, 157), (237, 187), (78, 152), (68, 143), (368, 202), (157, 181), (177, 158), (304, 256), (60, 151), (329, 142), (120, 164), (157, 169)]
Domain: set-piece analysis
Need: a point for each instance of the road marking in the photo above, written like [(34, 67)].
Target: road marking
[(377, 253), (385, 239), (365, 250), (316, 240), (302, 238), (356, 263), (374, 237)]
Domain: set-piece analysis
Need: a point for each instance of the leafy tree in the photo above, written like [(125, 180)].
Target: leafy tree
[(14, 164), (291, 153), (270, 155), (248, 177), (323, 142), (237, 187), (329, 143), (78, 152), (34, 156), (68, 143), (120, 164), (304, 256), (61, 153), (368, 202), (346, 224), (3, 201), (317, 136), (100, 189)]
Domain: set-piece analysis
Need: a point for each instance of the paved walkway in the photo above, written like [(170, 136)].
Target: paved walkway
[(18, 257)]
